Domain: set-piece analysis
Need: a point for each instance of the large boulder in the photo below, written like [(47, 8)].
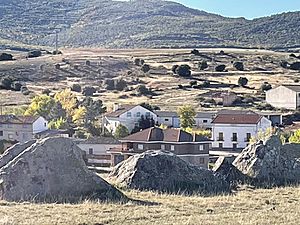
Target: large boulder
[(165, 172), (270, 162), (51, 170)]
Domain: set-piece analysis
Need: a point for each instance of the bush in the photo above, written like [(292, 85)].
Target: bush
[(88, 62), (121, 132), (6, 57), (183, 70), (143, 90), (5, 83), (139, 62), (174, 68), (88, 91), (295, 66), (265, 86), (24, 90), (239, 66), (203, 65), (265, 106), (57, 66), (206, 84), (120, 85), (109, 84), (46, 92), (243, 81), (145, 68), (195, 52), (220, 68), (76, 88), (34, 54), (193, 83), (284, 64), (16, 86), (58, 52)]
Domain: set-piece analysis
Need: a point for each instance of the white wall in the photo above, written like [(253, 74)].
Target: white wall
[(172, 121), (282, 97), (129, 122), (40, 125), (200, 122), (241, 130)]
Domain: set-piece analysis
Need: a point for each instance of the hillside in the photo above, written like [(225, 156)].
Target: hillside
[(119, 24)]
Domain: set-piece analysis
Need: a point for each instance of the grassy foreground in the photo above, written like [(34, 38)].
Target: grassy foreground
[(274, 206)]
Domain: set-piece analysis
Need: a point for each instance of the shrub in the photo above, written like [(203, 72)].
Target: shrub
[(109, 84), (88, 91), (24, 90), (284, 64), (143, 90), (220, 68), (265, 86), (239, 66), (16, 86), (139, 62), (265, 106), (121, 131), (46, 91), (222, 52), (174, 68), (243, 81), (203, 65), (57, 66), (5, 83), (183, 70), (195, 52), (295, 66), (6, 57), (193, 83), (145, 68), (88, 62), (76, 88), (206, 84), (34, 54), (57, 52), (120, 85)]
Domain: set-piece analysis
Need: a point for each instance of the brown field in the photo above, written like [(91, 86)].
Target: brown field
[(246, 207), (260, 66)]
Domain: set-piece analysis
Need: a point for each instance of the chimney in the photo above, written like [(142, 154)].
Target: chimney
[(116, 107)]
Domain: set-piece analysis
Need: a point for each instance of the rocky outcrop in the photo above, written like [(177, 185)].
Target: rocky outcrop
[(165, 172), (267, 163), (51, 170)]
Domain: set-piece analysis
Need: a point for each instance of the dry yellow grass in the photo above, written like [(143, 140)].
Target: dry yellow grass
[(274, 206)]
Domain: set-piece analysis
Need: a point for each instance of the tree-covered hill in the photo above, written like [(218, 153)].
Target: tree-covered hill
[(140, 23)]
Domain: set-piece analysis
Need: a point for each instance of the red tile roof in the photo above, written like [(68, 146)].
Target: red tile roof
[(12, 119), (244, 118), (168, 135)]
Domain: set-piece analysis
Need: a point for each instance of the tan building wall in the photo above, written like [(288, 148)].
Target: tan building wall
[(16, 132)]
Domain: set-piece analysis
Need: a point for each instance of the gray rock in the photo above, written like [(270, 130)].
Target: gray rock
[(51, 170), (165, 172), (271, 162)]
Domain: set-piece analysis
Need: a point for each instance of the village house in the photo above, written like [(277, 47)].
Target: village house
[(191, 148), (232, 130), (224, 98), (284, 96), (21, 128), (128, 116), (96, 149), (171, 119)]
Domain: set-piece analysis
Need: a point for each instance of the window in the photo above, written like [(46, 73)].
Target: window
[(128, 114), (201, 147), (91, 151), (140, 147), (220, 145), (234, 146), (201, 161), (205, 121), (1, 133), (138, 114), (147, 114), (248, 137), (221, 137), (45, 124), (234, 136), (172, 148), (10, 136), (163, 147), (167, 120)]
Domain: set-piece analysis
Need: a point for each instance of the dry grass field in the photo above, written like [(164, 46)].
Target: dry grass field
[(40, 73), (246, 207)]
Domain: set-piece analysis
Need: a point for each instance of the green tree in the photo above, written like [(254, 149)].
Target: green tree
[(59, 123), (187, 116), (41, 105), (121, 131)]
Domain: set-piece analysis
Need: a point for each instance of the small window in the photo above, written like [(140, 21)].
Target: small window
[(1, 133), (138, 114), (220, 145), (129, 114), (163, 147), (45, 124), (91, 151), (248, 137), (234, 146), (201, 147), (205, 121), (234, 136), (172, 148), (221, 137), (140, 147), (202, 160), (147, 114), (167, 120)]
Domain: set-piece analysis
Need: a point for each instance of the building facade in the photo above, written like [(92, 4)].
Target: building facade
[(285, 96), (233, 131), (127, 116), (191, 148), (21, 128)]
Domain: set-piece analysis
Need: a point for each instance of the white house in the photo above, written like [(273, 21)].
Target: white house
[(171, 119), (284, 96), (96, 149), (127, 115), (21, 128), (232, 130)]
